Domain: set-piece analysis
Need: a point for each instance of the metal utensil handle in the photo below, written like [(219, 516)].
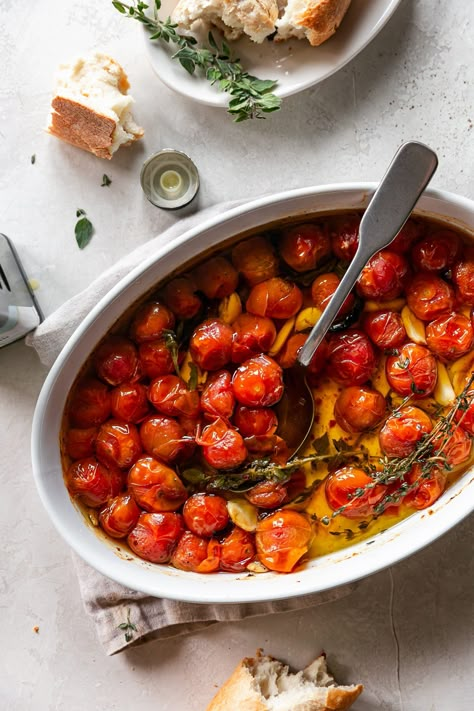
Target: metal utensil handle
[(392, 203)]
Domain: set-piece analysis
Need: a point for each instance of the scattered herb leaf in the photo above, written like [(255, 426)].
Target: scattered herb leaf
[(128, 627), (193, 377), (83, 229), (105, 181), (33, 159), (80, 212), (171, 345)]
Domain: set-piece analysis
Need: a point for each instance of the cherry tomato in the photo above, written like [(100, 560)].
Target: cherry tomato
[(119, 516), (359, 408), (129, 402), (150, 321), (413, 372), (196, 554), (191, 425), (155, 487), (428, 490), (351, 357), (258, 382), (437, 252), (222, 446), (295, 486), (91, 404), (180, 296), (211, 344), (456, 448), (155, 536), (237, 551), (205, 514), (450, 337), (385, 329), (93, 482), (252, 335), (282, 539), (216, 278), (255, 420), (268, 446), (118, 443), (286, 358), (344, 233), (403, 430), (384, 277), (463, 277), (303, 247), (217, 398), (155, 359), (80, 443), (170, 395), (116, 360), (164, 438), (275, 298), (465, 416), (428, 296), (341, 488), (318, 363), (406, 238), (322, 290), (267, 494), (256, 260)]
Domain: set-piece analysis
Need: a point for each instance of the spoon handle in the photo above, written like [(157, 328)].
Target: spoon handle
[(390, 207)]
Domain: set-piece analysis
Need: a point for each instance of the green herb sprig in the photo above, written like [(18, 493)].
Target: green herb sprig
[(128, 627), (251, 97), (83, 229)]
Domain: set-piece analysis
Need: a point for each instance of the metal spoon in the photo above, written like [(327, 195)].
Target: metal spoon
[(392, 203)]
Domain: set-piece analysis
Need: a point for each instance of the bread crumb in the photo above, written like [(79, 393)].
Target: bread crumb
[(36, 629)]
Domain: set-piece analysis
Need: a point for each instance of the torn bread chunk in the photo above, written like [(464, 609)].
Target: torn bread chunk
[(315, 20), (91, 108), (255, 18), (265, 684)]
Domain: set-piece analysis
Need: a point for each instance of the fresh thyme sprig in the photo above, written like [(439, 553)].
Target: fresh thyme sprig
[(127, 627), (251, 97)]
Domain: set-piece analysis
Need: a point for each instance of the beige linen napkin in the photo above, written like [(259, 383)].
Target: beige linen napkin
[(111, 606)]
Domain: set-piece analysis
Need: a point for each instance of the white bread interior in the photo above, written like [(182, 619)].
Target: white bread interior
[(91, 108), (315, 20)]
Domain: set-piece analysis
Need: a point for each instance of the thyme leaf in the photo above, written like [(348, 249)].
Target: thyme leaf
[(106, 181), (171, 345), (127, 627), (83, 229)]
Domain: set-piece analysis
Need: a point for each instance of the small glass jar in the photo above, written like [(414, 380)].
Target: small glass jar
[(169, 179)]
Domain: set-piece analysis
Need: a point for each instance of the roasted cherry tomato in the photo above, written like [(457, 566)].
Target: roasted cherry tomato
[(196, 554), (303, 247), (258, 382), (222, 446), (437, 252), (403, 430), (406, 238), (180, 296), (428, 490), (119, 516), (217, 398), (463, 277), (385, 329), (156, 487), (267, 494), (413, 371), (341, 491), (116, 360), (282, 539), (429, 296), (211, 344), (237, 551), (155, 536), (456, 447), (93, 482), (150, 321), (286, 357), (252, 421), (205, 514), (322, 290), (344, 233), (130, 402), (450, 336), (216, 278), (164, 438), (359, 408), (118, 443), (252, 335), (256, 260), (91, 404), (384, 277), (170, 395), (318, 363), (80, 443), (351, 357), (465, 416), (275, 298), (155, 359), (268, 446)]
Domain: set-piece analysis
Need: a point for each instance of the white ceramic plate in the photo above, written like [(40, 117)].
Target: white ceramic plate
[(294, 63), (322, 573)]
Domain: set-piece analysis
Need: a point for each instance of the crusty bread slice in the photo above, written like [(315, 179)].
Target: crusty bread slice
[(265, 684), (255, 18), (91, 108), (317, 20)]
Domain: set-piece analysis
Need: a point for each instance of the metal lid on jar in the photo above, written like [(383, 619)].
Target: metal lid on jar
[(169, 179)]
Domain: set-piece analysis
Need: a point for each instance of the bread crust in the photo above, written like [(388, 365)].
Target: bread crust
[(82, 127), (322, 19)]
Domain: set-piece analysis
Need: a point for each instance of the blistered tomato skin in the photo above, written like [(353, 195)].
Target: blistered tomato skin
[(428, 490), (413, 372), (164, 438), (341, 487), (270, 447), (303, 247), (429, 296), (211, 344), (252, 335), (118, 443), (450, 337), (457, 449), (465, 418), (237, 551), (384, 277), (437, 252), (150, 321), (217, 398), (130, 402), (156, 487), (155, 359), (116, 361), (344, 233), (170, 395), (282, 539), (222, 446), (216, 278), (91, 404), (258, 382), (385, 329), (463, 277), (80, 443), (155, 536), (322, 291), (403, 430), (119, 516), (267, 495), (180, 296), (196, 554), (359, 408), (205, 514), (257, 421), (275, 298), (351, 358), (410, 233), (256, 260), (93, 482)]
